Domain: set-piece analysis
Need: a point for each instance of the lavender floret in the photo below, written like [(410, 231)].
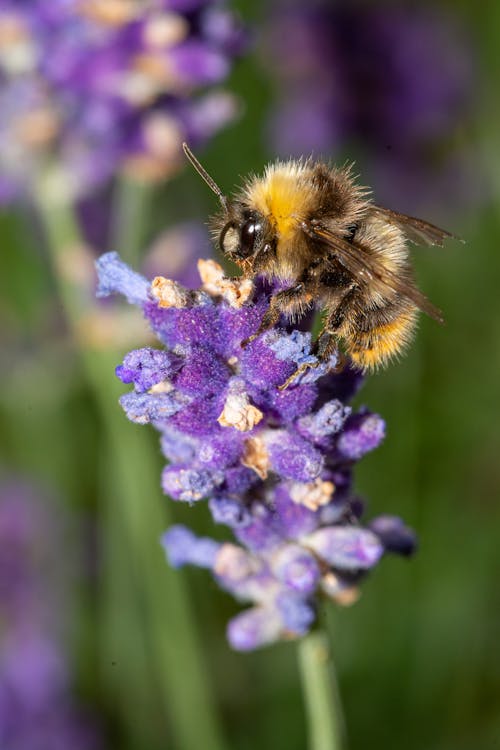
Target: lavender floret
[(116, 277), (274, 465), (183, 547), (146, 368)]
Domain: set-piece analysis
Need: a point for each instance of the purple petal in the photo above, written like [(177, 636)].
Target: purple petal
[(298, 615), (297, 568), (182, 547), (254, 628), (115, 277), (146, 367), (189, 485), (362, 434), (150, 407), (394, 535), (346, 547), (293, 457), (229, 511), (325, 422)]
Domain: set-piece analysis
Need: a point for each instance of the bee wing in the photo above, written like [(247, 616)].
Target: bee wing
[(416, 230), (367, 269)]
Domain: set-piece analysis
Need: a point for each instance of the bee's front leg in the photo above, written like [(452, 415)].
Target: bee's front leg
[(290, 301)]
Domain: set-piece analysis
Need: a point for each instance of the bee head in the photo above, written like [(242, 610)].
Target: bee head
[(243, 230), (242, 235)]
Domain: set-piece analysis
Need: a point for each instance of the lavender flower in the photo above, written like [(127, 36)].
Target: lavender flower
[(36, 711), (275, 465), (395, 81), (95, 87)]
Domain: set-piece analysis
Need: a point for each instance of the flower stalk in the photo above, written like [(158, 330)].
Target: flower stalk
[(130, 217), (321, 695)]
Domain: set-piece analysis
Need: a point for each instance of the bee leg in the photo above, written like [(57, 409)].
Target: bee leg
[(271, 317), (303, 368), (286, 301), (325, 346), (327, 342)]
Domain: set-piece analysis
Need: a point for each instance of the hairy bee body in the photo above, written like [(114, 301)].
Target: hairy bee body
[(311, 227)]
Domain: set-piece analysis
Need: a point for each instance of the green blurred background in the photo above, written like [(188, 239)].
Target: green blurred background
[(418, 657)]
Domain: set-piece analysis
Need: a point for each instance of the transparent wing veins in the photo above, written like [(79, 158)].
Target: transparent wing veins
[(367, 269)]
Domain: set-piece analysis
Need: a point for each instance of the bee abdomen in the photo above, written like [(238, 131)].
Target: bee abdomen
[(382, 340)]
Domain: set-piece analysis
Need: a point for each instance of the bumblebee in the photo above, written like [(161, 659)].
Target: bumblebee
[(312, 228)]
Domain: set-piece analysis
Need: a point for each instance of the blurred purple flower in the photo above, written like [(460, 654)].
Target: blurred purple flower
[(175, 252), (275, 466), (395, 82), (90, 88), (36, 708)]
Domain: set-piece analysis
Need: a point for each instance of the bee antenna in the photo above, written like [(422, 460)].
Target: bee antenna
[(204, 175)]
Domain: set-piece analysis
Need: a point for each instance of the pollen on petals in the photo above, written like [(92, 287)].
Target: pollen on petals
[(312, 495), (234, 562), (341, 592), (235, 291), (238, 412), (169, 293), (255, 456)]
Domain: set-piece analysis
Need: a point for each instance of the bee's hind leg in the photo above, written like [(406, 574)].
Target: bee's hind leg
[(302, 368), (328, 340), (324, 346)]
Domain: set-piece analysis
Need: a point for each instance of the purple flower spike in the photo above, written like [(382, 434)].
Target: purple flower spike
[(96, 89), (274, 465)]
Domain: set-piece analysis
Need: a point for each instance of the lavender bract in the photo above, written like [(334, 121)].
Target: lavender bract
[(275, 465), (89, 88)]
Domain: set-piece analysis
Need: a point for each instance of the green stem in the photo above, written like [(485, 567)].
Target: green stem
[(131, 201), (176, 660), (321, 696)]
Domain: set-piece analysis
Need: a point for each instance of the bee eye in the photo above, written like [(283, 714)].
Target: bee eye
[(248, 235)]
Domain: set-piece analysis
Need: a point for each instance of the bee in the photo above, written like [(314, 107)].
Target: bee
[(312, 228)]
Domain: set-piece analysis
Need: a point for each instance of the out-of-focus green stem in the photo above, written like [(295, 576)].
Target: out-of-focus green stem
[(131, 201), (319, 686), (176, 659)]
